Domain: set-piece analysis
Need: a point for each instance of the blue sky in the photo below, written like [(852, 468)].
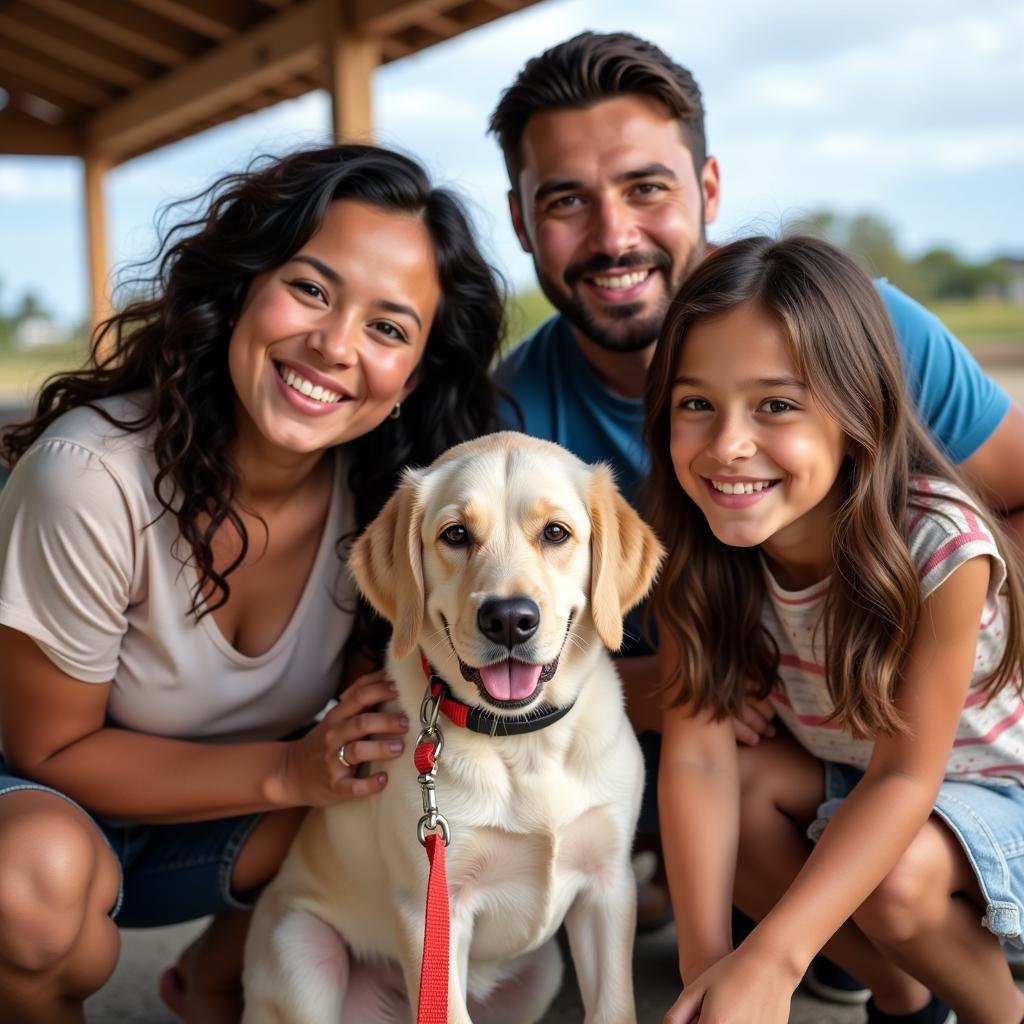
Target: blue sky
[(913, 111)]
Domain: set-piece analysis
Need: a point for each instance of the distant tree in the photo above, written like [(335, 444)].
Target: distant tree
[(822, 224), (865, 236), (6, 327), (29, 306), (946, 276)]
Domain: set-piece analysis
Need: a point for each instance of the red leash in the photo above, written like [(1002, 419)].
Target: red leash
[(433, 1003)]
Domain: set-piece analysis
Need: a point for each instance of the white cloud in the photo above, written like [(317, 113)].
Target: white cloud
[(964, 150), (35, 180)]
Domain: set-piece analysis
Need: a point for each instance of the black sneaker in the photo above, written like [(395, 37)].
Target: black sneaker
[(830, 982), (936, 1012)]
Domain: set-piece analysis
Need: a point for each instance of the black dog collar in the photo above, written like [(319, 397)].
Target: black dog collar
[(486, 722)]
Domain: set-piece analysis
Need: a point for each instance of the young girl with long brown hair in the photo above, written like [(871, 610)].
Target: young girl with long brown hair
[(824, 552)]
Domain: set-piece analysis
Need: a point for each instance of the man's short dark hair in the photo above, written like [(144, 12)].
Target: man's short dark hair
[(591, 68)]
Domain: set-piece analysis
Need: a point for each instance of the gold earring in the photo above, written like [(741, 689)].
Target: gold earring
[(396, 412)]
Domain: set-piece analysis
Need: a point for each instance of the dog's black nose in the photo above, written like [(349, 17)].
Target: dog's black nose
[(508, 620)]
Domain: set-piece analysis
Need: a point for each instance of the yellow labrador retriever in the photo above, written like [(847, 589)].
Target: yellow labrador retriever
[(507, 565)]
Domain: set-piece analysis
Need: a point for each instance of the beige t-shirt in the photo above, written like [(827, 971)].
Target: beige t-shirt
[(91, 570)]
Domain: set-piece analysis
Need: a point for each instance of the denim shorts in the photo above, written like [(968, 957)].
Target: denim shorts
[(169, 873), (987, 819)]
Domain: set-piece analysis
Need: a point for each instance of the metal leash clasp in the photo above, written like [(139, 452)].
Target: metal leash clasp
[(430, 733)]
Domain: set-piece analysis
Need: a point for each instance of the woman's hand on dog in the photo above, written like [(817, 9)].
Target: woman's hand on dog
[(311, 772)]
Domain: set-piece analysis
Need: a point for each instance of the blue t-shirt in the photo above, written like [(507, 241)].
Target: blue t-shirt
[(563, 400)]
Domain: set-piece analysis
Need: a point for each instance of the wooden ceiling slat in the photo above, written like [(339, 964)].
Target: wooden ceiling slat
[(463, 16), (313, 79), (15, 84), (398, 20), (419, 37), (441, 25), (477, 12), (503, 7), (384, 17), (290, 90), (274, 51), (393, 49), (73, 46), (214, 19), (22, 135), (144, 34), (37, 67)]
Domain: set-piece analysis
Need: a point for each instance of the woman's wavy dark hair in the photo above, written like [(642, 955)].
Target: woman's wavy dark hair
[(172, 343), (709, 597)]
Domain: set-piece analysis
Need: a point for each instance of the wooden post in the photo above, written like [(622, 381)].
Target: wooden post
[(351, 60), (96, 238)]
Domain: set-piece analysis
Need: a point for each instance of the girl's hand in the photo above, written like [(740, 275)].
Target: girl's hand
[(741, 988), (312, 774), (753, 721)]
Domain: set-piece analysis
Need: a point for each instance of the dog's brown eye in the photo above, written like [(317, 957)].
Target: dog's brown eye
[(457, 536), (555, 533)]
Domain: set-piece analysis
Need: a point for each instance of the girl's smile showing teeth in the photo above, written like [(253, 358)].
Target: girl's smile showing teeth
[(742, 486), (738, 493)]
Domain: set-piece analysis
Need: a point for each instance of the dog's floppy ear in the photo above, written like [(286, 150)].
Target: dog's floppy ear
[(387, 563), (625, 556)]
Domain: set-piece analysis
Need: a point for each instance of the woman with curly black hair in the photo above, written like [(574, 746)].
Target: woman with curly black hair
[(173, 601)]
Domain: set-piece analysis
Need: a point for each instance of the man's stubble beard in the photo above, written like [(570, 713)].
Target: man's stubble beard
[(634, 333)]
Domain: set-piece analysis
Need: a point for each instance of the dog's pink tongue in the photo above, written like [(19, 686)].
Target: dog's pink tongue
[(510, 680)]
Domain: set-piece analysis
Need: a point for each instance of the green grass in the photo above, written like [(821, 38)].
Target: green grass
[(526, 311), (22, 373), (984, 323)]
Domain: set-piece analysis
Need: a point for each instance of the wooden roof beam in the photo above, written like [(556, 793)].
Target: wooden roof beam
[(217, 21), (273, 51), (394, 49), (36, 67), (384, 17), (141, 33), (442, 25), (73, 46), (508, 6), (17, 86), (21, 135)]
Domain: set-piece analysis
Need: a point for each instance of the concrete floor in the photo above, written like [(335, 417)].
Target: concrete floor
[(131, 995)]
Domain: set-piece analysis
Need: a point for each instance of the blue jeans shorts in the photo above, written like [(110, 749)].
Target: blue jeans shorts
[(987, 820), (169, 873)]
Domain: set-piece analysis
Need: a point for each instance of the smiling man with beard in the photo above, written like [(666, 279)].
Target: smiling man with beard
[(611, 188)]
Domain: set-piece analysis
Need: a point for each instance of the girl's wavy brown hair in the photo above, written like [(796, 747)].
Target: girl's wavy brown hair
[(171, 341), (710, 596)]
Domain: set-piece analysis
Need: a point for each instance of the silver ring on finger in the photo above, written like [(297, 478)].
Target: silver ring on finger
[(342, 758)]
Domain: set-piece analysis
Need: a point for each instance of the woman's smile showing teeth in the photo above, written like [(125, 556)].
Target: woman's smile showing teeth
[(309, 396)]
